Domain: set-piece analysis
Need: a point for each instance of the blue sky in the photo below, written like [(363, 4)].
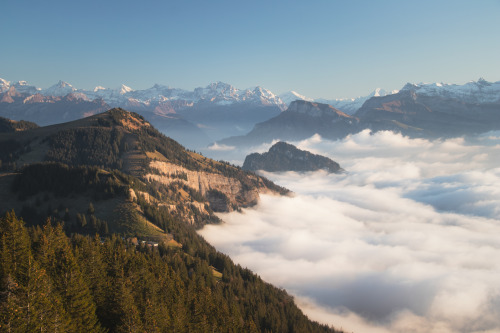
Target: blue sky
[(329, 49)]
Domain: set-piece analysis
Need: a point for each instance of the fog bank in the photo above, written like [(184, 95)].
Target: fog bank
[(406, 241)]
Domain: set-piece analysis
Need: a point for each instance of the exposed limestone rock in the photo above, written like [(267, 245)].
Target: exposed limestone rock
[(208, 184), (132, 194)]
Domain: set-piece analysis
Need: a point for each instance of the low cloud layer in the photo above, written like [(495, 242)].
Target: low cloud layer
[(222, 147), (406, 241)]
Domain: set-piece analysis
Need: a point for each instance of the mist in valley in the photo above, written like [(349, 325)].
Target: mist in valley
[(406, 240)]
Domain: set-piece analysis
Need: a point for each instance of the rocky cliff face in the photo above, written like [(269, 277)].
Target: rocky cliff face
[(286, 157), (223, 193)]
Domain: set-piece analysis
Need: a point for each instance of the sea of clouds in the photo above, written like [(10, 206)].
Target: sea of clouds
[(406, 240)]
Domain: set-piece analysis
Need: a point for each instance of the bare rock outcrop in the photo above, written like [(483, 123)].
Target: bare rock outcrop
[(223, 193)]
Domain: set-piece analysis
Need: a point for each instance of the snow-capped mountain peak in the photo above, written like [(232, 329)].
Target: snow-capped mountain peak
[(259, 91), (291, 96), (220, 86), (351, 105), (4, 85), (61, 88), (382, 92), (480, 91), (125, 89), (299, 95), (64, 84), (24, 88), (218, 92)]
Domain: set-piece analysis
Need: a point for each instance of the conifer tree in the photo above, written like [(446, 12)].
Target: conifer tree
[(58, 259), (28, 303), (90, 209)]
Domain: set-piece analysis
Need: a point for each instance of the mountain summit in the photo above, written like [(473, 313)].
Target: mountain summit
[(283, 156), (60, 89), (301, 120)]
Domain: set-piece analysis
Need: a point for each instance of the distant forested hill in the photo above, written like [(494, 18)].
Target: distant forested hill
[(7, 125)]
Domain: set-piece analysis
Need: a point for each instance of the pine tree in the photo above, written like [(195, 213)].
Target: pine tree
[(122, 314), (90, 209), (89, 255), (58, 259), (28, 302), (81, 220)]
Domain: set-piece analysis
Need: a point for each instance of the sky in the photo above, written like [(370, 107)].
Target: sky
[(321, 49), (406, 240)]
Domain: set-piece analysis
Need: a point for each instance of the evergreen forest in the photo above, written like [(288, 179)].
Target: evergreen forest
[(54, 283)]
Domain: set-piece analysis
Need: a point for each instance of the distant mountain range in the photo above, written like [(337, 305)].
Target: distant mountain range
[(218, 93), (195, 118), (480, 91), (221, 112), (423, 110)]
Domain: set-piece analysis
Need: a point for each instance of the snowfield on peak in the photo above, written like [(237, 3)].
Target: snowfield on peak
[(291, 96), (124, 89), (61, 89), (480, 91)]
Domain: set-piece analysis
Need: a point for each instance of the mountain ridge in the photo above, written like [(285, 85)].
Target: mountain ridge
[(218, 92), (124, 141), (301, 120)]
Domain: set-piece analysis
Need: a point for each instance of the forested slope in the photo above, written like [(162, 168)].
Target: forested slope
[(50, 282)]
